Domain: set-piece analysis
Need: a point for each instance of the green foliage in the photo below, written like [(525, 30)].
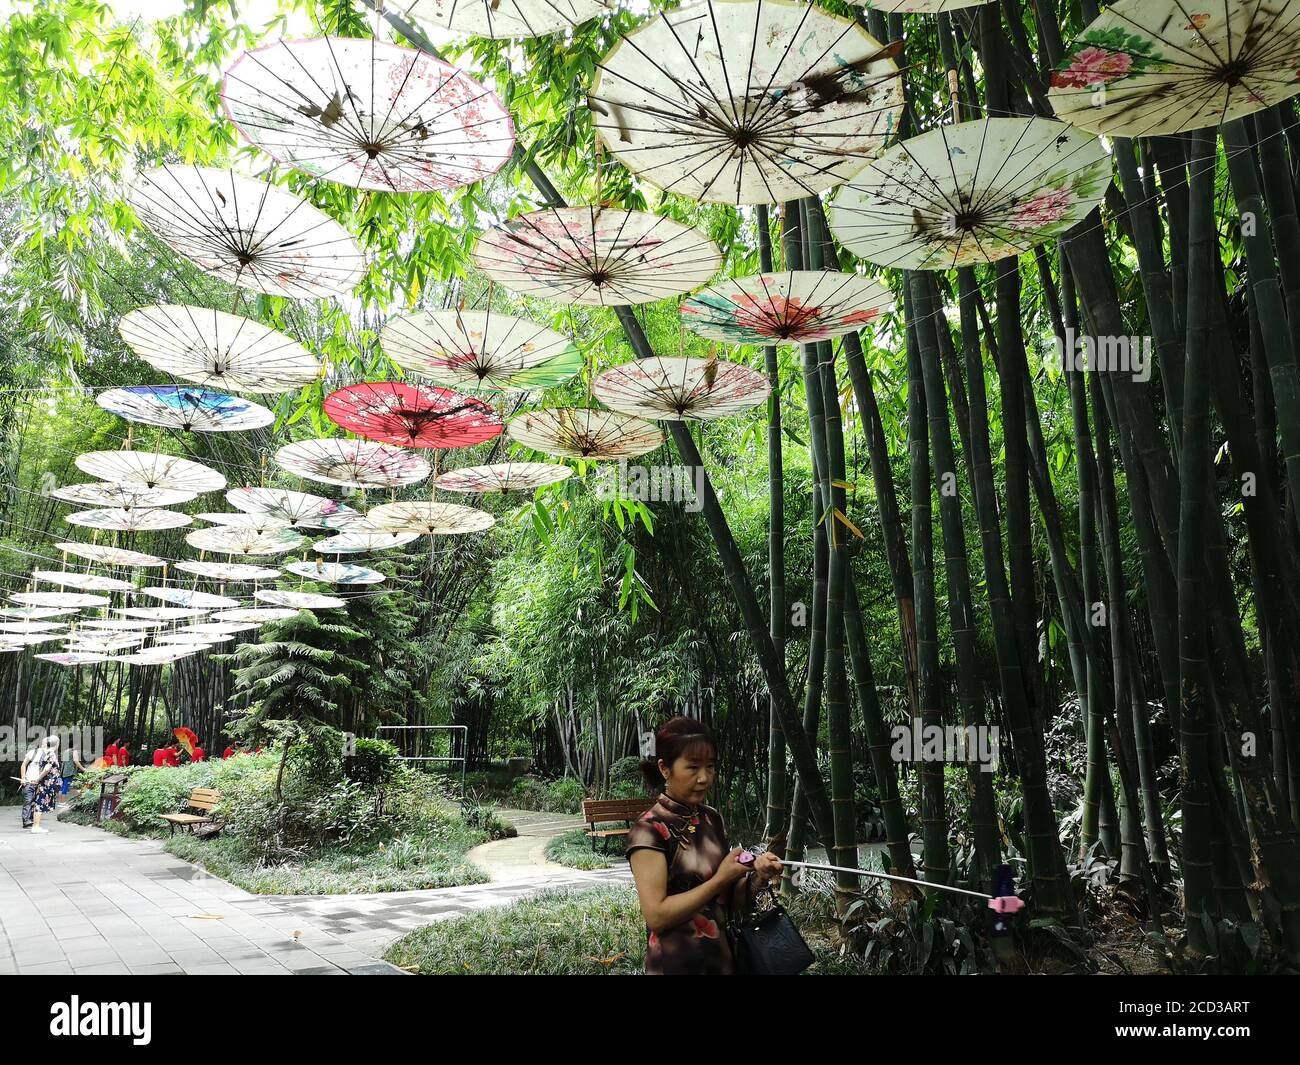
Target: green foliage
[(563, 796), (574, 850), (373, 763)]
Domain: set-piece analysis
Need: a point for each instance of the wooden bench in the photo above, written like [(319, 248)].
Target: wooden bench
[(602, 811), (200, 799)]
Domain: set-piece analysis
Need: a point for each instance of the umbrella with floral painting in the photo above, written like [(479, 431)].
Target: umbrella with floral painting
[(120, 496), (971, 193), (299, 600), (498, 19), (503, 477), (583, 433), (353, 463), (480, 350), (150, 470), (185, 597), (335, 572), (109, 556), (920, 7), (368, 114), (393, 412), (798, 307), (228, 571), (129, 520), (244, 540), (430, 519), (59, 600), (188, 409), (678, 388), (599, 256), (86, 582), (361, 538), (298, 510), (1146, 68), (747, 101)]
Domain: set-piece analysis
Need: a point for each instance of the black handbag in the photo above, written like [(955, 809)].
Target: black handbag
[(765, 942)]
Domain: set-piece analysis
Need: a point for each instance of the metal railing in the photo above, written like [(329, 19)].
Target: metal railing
[(455, 731)]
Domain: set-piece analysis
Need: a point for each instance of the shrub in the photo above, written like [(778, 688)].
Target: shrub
[(564, 796), (625, 780), (318, 756), (487, 820), (373, 763)]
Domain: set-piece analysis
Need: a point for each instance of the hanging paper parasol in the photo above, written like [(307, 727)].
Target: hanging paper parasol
[(190, 409), (228, 571), (88, 582), (258, 523), (160, 613), (597, 255), (109, 556), (186, 598), (579, 433), (248, 232), (30, 639), (674, 388), (217, 350), (122, 624), (430, 519), (368, 539), (257, 615), (497, 19), (477, 349), (1146, 68), (791, 308), (353, 463), (30, 627), (32, 613), (335, 572), (503, 477), (59, 600), (195, 639), (74, 658), (105, 644), (229, 628), (971, 193), (120, 496), (920, 7), (150, 470), (412, 415), (747, 101), (244, 540), (129, 520), (368, 114), (299, 600), (160, 656), (295, 509)]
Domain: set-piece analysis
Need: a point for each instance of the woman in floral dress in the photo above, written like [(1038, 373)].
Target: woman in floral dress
[(687, 878), (47, 789)]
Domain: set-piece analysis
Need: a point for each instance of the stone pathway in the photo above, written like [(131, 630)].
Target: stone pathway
[(80, 900)]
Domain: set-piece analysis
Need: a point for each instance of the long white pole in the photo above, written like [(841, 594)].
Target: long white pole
[(885, 876)]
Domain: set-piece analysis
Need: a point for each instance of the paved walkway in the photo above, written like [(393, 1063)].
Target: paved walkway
[(80, 900)]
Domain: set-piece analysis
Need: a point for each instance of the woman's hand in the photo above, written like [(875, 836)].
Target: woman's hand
[(730, 870), (767, 867)]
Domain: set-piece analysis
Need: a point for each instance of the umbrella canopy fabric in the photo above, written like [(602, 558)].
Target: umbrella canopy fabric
[(158, 656), (202, 639), (369, 539), (1146, 68), (59, 600), (599, 256), (119, 496), (298, 510), (110, 556), (228, 571), (104, 643), (678, 388), (430, 519), (248, 232), (34, 613), (74, 658), (412, 415), (12, 628), (581, 433), (88, 582), (185, 597), (30, 639), (798, 307), (971, 193), (190, 409), (161, 613), (151, 470), (259, 523), (299, 600), (353, 463), (129, 520), (747, 101), (244, 540), (920, 7), (229, 627), (503, 477), (368, 114), (256, 615), (217, 350), (497, 19), (335, 572), (477, 349), (121, 624)]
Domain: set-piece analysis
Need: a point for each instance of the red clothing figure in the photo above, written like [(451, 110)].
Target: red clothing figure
[(229, 752), (123, 757), (110, 754), (159, 758), (171, 757), (198, 755)]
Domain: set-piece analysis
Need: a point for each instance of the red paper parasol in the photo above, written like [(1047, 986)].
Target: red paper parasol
[(412, 415)]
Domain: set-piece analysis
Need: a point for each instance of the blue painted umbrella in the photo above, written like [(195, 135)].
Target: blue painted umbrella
[(190, 409)]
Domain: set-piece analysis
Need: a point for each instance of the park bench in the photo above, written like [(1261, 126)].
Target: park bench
[(603, 811), (200, 799)]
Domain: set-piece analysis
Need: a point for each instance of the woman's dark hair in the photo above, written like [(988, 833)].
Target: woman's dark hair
[(676, 737)]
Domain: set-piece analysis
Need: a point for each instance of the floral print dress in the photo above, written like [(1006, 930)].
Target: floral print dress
[(693, 840), (47, 792)]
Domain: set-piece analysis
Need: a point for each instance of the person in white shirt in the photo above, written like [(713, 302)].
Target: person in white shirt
[(40, 777)]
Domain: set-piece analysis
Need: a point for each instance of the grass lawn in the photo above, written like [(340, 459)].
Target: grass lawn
[(574, 850)]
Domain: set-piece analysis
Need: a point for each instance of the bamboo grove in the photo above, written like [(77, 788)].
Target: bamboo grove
[(936, 501)]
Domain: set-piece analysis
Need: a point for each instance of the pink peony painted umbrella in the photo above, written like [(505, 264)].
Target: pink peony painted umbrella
[(150, 470), (119, 496), (129, 520), (368, 114), (678, 388), (353, 463), (497, 19), (747, 101), (791, 308), (412, 415), (971, 193), (480, 349), (248, 232), (298, 510), (503, 477), (582, 433), (217, 350), (597, 255), (430, 519)]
